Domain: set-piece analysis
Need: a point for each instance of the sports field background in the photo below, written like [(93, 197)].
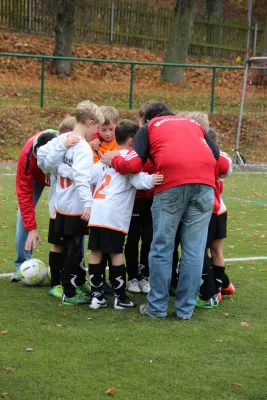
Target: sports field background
[(209, 357)]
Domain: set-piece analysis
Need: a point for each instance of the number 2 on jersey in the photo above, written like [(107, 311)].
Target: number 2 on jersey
[(106, 182)]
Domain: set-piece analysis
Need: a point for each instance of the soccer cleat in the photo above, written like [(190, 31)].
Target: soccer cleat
[(204, 303), (230, 289), (15, 278), (56, 291), (107, 289), (98, 302), (79, 298), (216, 300), (133, 286), (123, 303), (85, 288), (144, 286)]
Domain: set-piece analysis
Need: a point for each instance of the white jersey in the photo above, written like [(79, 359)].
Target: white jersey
[(73, 164), (49, 157), (114, 196)]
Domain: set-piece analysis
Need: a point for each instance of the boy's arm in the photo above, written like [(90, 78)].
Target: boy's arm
[(82, 165), (50, 155), (225, 165), (142, 181), (136, 156)]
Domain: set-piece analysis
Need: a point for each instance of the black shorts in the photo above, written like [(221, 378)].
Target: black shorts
[(217, 228), (53, 237), (68, 225), (106, 240)]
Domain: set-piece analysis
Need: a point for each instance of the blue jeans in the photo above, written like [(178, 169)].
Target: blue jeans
[(193, 203), (21, 231)]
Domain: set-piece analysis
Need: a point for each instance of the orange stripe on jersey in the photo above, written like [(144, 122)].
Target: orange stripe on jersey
[(70, 215), (107, 227)]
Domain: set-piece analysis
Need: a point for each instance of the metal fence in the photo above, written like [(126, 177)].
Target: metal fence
[(133, 24), (43, 59)]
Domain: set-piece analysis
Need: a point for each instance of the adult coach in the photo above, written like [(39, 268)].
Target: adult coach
[(182, 152), (30, 182)]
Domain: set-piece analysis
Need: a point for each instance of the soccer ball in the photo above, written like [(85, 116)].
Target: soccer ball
[(49, 273), (32, 272)]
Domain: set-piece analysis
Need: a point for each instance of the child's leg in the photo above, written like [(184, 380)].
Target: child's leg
[(119, 281), (146, 236), (56, 262), (81, 278), (207, 289), (131, 248), (72, 251), (216, 251)]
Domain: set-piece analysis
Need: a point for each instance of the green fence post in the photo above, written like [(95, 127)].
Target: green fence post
[(131, 87), (213, 89), (42, 82)]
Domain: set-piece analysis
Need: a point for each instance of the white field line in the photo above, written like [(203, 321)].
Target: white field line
[(226, 260)]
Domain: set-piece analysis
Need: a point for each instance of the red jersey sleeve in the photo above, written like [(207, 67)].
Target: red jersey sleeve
[(95, 136), (224, 166), (25, 189), (136, 156)]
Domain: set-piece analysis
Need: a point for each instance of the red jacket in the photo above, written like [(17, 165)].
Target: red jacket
[(178, 147), (27, 174)]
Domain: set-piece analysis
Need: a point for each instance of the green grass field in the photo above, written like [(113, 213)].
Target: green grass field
[(209, 357)]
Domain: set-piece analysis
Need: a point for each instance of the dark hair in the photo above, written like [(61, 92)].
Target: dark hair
[(154, 109), (144, 107), (43, 139), (124, 130)]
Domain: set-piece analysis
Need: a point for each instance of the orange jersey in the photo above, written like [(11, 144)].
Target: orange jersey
[(104, 147)]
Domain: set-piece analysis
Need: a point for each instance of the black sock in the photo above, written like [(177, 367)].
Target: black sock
[(96, 277), (119, 280), (55, 264), (207, 289), (218, 274), (226, 281)]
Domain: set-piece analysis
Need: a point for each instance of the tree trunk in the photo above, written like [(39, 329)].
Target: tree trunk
[(63, 41), (264, 48), (179, 40), (214, 12)]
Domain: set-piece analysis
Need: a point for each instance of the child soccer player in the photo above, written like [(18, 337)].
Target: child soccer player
[(104, 140), (73, 194), (56, 256), (110, 219), (214, 276), (217, 234)]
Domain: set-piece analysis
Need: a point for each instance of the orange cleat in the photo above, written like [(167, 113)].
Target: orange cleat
[(229, 290)]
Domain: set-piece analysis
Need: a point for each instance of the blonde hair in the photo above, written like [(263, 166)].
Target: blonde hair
[(67, 125), (214, 135), (87, 110), (201, 117), (110, 114)]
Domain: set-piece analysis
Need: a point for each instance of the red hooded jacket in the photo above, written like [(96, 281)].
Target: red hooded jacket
[(27, 173)]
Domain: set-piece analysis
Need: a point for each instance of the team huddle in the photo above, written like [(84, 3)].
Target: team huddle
[(158, 181)]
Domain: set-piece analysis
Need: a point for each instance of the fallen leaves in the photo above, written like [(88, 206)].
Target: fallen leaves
[(244, 324), (29, 349), (89, 319), (8, 369), (4, 395), (237, 385), (3, 332), (218, 341), (58, 325), (110, 392)]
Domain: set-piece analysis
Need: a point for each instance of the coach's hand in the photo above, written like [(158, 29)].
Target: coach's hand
[(32, 239), (86, 214), (107, 157)]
